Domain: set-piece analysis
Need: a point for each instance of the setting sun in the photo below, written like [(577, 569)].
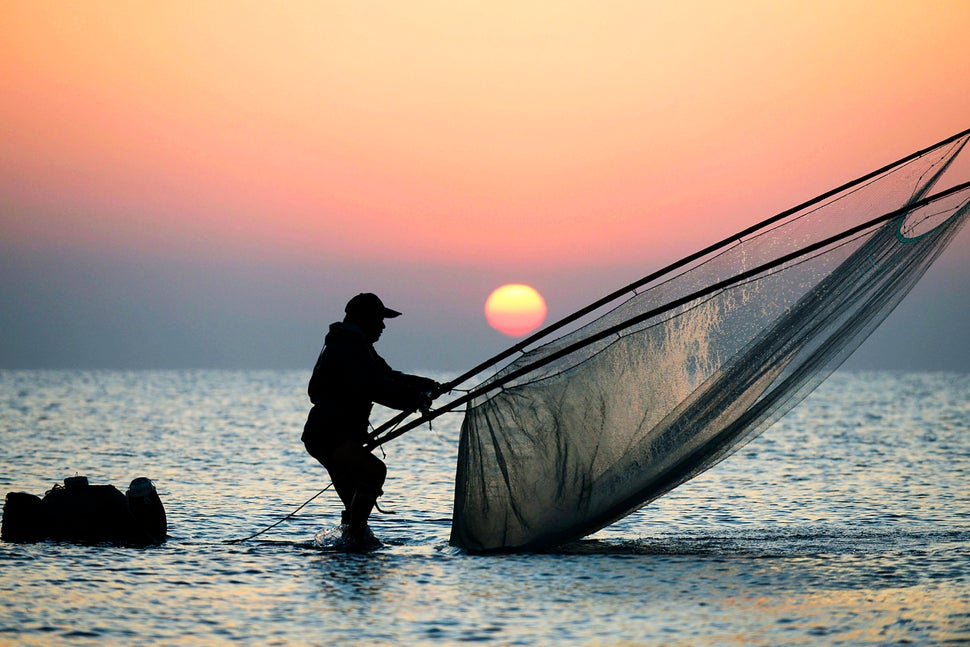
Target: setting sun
[(515, 309)]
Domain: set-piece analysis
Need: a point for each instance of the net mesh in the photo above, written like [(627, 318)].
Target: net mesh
[(588, 428)]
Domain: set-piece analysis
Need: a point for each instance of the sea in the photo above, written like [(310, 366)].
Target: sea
[(846, 523)]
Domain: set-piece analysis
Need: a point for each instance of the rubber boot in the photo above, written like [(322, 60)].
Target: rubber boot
[(359, 511), (358, 533)]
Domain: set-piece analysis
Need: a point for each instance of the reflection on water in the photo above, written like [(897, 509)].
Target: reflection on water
[(847, 522), (352, 578)]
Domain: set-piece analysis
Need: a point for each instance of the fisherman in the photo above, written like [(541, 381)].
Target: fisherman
[(349, 377)]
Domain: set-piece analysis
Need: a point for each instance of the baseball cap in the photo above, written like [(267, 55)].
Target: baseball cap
[(368, 305)]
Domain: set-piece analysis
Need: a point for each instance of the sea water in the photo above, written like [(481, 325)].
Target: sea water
[(848, 522)]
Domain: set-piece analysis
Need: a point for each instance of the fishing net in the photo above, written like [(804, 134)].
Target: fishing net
[(581, 431)]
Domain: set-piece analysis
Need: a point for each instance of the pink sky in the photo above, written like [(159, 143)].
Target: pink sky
[(521, 139)]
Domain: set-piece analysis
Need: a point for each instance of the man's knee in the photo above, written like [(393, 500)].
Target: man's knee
[(373, 475), (378, 469)]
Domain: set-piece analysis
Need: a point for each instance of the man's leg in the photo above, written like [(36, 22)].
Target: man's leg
[(370, 473), (340, 466)]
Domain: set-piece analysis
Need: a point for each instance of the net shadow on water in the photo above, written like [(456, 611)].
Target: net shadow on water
[(803, 542)]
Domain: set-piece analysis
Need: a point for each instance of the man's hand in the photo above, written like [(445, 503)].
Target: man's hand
[(424, 402)]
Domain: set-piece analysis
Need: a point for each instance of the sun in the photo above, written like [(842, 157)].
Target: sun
[(515, 309)]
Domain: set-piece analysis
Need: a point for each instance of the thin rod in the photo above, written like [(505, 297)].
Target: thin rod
[(743, 276)]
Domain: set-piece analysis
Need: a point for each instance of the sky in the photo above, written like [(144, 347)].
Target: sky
[(205, 184)]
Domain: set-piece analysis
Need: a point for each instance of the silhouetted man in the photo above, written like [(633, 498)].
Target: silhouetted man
[(348, 378)]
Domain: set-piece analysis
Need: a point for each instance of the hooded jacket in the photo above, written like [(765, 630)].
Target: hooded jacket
[(348, 378)]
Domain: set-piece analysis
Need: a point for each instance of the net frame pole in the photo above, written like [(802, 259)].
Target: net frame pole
[(376, 439)]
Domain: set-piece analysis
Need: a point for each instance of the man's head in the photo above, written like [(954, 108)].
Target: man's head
[(369, 312)]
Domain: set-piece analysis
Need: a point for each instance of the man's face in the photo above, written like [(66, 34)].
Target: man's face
[(372, 328)]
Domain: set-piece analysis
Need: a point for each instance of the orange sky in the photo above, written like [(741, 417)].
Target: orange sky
[(509, 133), (149, 151)]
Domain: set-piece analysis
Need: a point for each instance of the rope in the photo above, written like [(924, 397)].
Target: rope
[(302, 505), (254, 535)]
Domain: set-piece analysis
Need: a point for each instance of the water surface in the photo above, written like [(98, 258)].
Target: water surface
[(848, 522)]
